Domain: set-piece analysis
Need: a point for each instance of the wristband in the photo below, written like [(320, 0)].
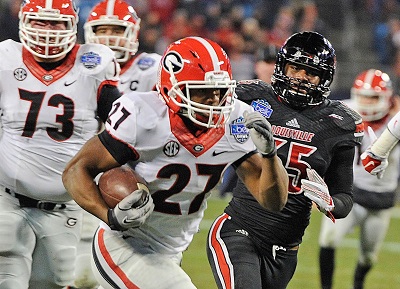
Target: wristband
[(269, 155)]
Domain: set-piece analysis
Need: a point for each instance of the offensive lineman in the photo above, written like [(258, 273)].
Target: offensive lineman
[(315, 137), (182, 137), (115, 24), (371, 96), (51, 91)]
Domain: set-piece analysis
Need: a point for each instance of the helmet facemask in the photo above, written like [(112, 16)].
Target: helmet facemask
[(124, 46), (209, 116), (47, 43), (114, 15)]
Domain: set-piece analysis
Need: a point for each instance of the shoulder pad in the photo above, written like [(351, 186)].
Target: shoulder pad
[(348, 119), (94, 58), (248, 90), (147, 61)]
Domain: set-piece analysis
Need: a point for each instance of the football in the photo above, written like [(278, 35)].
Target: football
[(119, 182)]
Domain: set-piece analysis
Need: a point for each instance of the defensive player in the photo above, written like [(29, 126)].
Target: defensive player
[(182, 138), (372, 97), (315, 137), (51, 92), (116, 24)]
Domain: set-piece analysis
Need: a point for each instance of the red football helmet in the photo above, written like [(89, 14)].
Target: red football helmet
[(44, 42), (196, 63), (118, 13), (371, 84)]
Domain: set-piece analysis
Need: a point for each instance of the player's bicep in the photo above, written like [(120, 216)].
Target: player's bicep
[(93, 157)]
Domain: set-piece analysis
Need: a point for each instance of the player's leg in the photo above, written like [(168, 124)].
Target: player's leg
[(373, 232), (84, 277), (128, 262), (233, 258), (331, 234), (17, 242), (58, 233)]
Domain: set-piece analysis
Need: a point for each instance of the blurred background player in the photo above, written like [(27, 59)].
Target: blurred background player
[(52, 90), (371, 96), (115, 24), (182, 137), (315, 137), (264, 65)]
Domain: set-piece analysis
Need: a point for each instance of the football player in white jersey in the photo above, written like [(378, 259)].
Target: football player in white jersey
[(51, 92), (372, 97), (116, 24), (182, 137)]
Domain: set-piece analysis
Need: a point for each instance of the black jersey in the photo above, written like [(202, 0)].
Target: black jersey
[(310, 138)]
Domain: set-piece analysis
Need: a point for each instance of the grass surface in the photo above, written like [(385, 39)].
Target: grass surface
[(386, 273)]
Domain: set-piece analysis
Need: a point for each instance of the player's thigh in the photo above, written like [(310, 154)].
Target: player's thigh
[(232, 255), (373, 232), (17, 242), (331, 234), (58, 233), (126, 262)]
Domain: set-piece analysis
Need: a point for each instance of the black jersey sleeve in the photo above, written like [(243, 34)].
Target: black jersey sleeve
[(121, 152), (108, 95), (339, 178)]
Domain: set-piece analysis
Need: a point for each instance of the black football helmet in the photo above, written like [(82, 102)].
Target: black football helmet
[(308, 49)]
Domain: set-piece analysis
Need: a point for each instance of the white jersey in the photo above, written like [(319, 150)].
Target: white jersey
[(362, 179), (139, 73), (180, 168), (48, 115)]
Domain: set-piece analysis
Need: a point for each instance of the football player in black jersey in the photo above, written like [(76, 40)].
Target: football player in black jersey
[(250, 247)]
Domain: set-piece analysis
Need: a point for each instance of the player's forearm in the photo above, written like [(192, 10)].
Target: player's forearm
[(384, 144), (80, 185), (274, 184)]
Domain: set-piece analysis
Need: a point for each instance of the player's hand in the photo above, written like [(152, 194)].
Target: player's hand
[(374, 164), (260, 132), (127, 214), (317, 191)]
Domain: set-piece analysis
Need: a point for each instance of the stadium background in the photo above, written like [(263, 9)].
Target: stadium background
[(365, 34)]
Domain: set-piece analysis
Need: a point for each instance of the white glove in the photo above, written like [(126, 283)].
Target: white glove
[(317, 191), (374, 164), (128, 213), (260, 132)]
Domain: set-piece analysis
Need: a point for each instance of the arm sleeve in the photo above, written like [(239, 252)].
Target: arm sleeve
[(339, 178), (108, 94), (121, 152)]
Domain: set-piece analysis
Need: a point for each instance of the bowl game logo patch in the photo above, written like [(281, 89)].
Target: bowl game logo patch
[(239, 130)]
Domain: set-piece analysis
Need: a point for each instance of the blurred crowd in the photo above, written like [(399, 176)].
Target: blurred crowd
[(244, 28)]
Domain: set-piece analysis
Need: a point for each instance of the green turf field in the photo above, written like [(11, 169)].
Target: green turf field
[(385, 275)]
